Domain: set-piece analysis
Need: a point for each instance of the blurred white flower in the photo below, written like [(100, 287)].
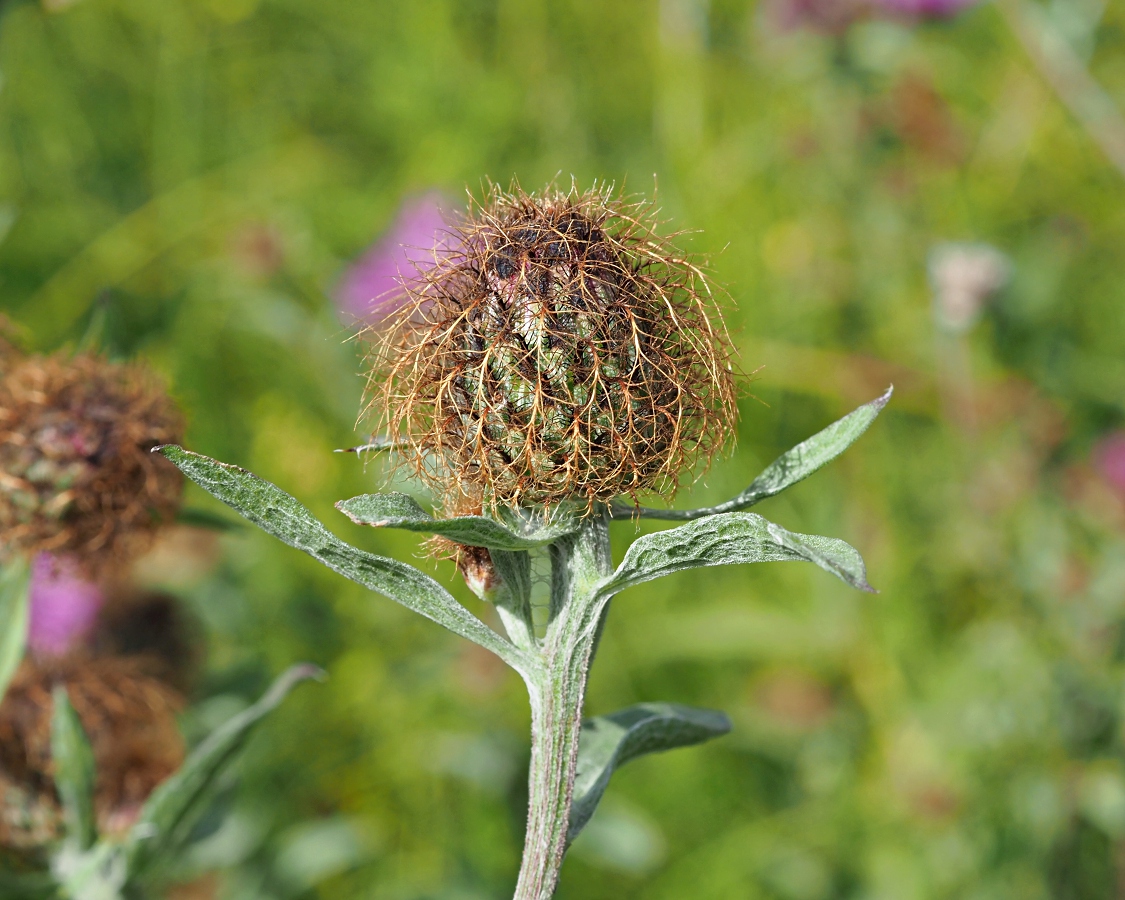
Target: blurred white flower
[(963, 277)]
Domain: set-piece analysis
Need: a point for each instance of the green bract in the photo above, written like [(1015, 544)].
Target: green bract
[(571, 761), (15, 578)]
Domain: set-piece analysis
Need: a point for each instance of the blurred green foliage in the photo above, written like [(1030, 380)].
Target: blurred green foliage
[(203, 170)]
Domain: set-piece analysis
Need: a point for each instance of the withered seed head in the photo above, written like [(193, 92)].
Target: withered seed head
[(560, 352), (130, 719), (76, 474)]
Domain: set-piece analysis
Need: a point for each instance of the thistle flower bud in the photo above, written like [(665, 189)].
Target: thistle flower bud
[(76, 474), (562, 352)]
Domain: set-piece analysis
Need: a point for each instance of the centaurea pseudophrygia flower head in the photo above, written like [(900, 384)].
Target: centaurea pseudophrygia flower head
[(561, 352)]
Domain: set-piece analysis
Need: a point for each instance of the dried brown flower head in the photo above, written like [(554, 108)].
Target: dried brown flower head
[(130, 719), (76, 474), (560, 351)]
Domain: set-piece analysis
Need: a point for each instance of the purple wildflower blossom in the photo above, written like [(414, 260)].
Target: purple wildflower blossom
[(929, 9), (374, 287), (825, 16), (1109, 459), (63, 605)]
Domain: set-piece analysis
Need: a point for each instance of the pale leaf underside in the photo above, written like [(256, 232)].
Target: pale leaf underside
[(279, 514), (608, 742), (731, 539)]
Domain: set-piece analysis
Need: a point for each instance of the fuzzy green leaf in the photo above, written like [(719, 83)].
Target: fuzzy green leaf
[(785, 471), (513, 599), (15, 583), (608, 742), (395, 510), (730, 539), (279, 514), (74, 770), (99, 873), (168, 814)]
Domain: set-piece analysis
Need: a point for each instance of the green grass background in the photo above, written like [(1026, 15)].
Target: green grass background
[(206, 169)]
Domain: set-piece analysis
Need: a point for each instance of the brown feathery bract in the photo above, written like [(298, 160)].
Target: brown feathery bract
[(130, 719), (560, 351), (76, 474)]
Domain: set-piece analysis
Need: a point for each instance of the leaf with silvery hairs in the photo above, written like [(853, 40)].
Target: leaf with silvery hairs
[(281, 515), (792, 466), (731, 539), (393, 510)]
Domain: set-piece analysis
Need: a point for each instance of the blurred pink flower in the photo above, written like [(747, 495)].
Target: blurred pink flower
[(1109, 459), (930, 9), (836, 16), (827, 16), (63, 605), (375, 286)]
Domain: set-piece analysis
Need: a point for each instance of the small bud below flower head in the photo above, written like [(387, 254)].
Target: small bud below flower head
[(379, 282), (476, 567), (64, 605), (963, 277)]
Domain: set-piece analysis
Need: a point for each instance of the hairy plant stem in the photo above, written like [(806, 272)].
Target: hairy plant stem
[(557, 688)]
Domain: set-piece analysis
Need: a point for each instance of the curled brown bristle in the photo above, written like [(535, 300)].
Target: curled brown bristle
[(76, 474), (130, 719), (476, 567), (561, 352)]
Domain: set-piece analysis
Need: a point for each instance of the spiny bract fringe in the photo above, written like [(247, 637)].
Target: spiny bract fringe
[(557, 350)]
